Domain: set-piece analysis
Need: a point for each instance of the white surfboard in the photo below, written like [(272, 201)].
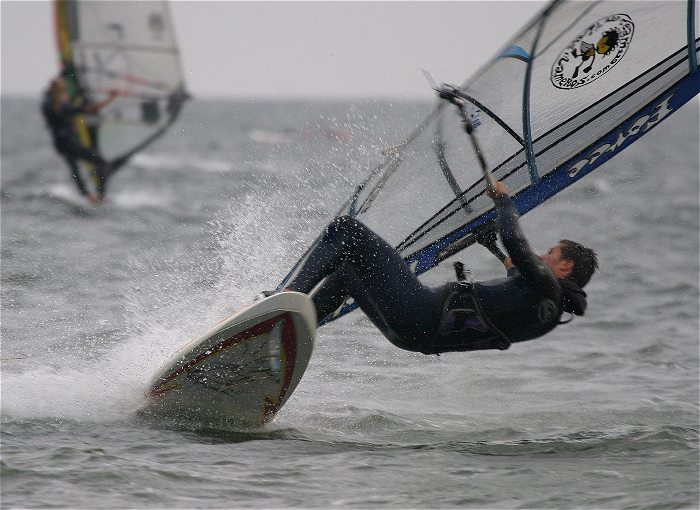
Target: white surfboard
[(243, 370)]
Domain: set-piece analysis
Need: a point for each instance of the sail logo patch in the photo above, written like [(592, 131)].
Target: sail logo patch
[(593, 53), (156, 25)]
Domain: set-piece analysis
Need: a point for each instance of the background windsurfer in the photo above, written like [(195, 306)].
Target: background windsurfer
[(457, 316), (60, 113)]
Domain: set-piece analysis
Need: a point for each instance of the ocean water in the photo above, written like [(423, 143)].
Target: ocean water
[(602, 413)]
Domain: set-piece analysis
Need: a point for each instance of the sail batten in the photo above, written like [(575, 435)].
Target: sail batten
[(87, 45)]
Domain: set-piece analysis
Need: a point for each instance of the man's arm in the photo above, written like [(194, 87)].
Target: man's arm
[(508, 263), (520, 254), (96, 107)]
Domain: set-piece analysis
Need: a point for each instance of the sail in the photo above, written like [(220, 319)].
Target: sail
[(581, 82), (128, 47)]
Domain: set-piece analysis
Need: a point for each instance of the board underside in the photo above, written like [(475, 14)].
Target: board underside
[(242, 371)]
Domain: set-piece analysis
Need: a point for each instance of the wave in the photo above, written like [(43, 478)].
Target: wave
[(166, 162)]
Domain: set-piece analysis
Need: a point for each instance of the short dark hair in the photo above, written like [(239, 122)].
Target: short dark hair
[(585, 261)]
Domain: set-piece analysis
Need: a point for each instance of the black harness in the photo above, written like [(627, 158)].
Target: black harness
[(464, 322)]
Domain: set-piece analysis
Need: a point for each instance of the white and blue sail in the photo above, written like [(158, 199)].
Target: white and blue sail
[(580, 83), (125, 46)]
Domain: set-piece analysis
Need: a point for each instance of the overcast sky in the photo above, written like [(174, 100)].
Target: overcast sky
[(295, 49)]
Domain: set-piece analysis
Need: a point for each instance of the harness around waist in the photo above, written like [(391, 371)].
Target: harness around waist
[(462, 317)]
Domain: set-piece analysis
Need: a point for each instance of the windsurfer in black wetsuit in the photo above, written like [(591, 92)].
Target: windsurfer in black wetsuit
[(458, 316), (60, 112)]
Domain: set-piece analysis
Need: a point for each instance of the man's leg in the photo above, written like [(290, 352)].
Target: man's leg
[(77, 151), (75, 174), (361, 264)]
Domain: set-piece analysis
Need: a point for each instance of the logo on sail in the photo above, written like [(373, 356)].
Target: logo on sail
[(593, 53), (156, 25)]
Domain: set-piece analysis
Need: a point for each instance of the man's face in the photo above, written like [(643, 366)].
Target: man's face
[(559, 266), (60, 89)]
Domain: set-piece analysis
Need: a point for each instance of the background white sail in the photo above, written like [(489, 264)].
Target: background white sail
[(129, 47)]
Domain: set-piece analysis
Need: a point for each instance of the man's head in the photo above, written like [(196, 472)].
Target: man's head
[(58, 88), (572, 261)]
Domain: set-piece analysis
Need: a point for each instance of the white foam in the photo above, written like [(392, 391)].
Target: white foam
[(256, 241), (178, 162), (140, 199)]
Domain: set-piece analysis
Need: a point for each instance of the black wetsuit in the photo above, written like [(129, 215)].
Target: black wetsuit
[(454, 317), (62, 127)]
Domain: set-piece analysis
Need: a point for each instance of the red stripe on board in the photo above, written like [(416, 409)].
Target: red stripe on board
[(288, 343)]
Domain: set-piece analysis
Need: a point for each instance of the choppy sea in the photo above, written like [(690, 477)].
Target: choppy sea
[(602, 413)]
